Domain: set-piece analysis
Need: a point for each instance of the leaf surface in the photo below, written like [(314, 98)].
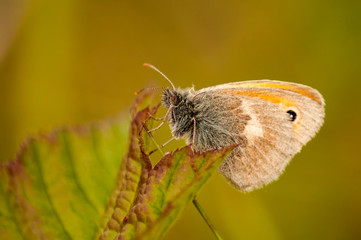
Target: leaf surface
[(96, 182)]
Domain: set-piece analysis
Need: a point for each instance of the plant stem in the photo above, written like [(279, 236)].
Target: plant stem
[(205, 218)]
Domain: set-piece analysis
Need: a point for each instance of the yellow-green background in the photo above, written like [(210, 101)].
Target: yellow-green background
[(70, 62)]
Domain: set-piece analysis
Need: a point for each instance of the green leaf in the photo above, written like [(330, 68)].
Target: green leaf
[(91, 182)]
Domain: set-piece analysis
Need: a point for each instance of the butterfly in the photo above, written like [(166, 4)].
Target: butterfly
[(269, 120)]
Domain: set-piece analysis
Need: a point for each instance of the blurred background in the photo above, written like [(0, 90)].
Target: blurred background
[(71, 62)]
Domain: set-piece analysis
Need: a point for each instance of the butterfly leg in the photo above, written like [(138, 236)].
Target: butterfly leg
[(157, 119), (159, 148), (162, 146), (152, 139), (164, 119), (194, 131)]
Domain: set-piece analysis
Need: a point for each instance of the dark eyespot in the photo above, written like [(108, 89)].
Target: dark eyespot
[(292, 115)]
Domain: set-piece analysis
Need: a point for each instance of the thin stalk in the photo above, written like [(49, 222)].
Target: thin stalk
[(205, 218)]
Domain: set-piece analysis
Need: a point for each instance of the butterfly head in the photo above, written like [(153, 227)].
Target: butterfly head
[(179, 103)]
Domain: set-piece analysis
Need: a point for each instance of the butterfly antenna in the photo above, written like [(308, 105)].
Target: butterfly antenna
[(151, 66), (148, 88)]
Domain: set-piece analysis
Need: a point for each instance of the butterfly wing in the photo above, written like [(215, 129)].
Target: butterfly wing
[(254, 115)]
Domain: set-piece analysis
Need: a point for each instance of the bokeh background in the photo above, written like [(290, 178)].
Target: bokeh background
[(71, 62)]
